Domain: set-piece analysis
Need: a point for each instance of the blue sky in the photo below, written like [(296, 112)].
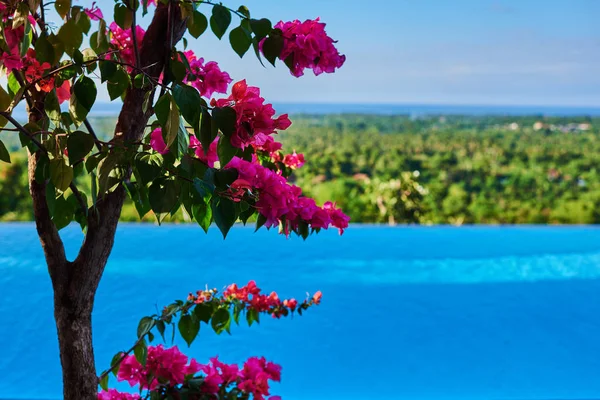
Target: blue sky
[(481, 52)]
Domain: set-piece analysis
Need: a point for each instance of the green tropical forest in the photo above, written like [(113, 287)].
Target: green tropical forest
[(399, 169)]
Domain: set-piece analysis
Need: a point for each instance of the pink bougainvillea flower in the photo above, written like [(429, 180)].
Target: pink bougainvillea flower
[(63, 92), (157, 142), (94, 13), (210, 157), (123, 41), (207, 78), (278, 200), (307, 45), (291, 304), (317, 297), (293, 161), (112, 394), (338, 218), (11, 60), (255, 119), (162, 366)]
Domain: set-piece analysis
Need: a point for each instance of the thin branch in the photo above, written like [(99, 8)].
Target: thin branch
[(136, 51), (236, 12), (24, 131), (123, 355), (42, 16), (88, 126), (169, 43)]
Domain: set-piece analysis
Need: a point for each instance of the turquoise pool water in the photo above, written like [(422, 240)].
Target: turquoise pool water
[(408, 312)]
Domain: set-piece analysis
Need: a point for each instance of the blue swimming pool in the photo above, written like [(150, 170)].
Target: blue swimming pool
[(407, 312)]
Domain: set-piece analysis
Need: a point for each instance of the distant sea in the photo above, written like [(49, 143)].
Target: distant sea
[(415, 110)]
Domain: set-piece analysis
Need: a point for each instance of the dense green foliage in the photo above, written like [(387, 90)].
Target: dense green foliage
[(426, 170)]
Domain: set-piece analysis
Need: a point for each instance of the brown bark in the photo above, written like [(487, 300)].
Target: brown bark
[(75, 283)]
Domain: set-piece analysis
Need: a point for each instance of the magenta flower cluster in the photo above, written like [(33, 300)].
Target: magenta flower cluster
[(123, 41), (206, 77), (255, 119), (307, 45), (169, 368), (278, 201)]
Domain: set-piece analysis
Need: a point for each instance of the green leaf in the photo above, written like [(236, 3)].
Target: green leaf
[(203, 312), (4, 104), (252, 316), (82, 99), (221, 320), (83, 21), (141, 352), (244, 11), (92, 161), (225, 120), (261, 27), (107, 70), (183, 140), (207, 133), (144, 326), (172, 124), (220, 20), (21, 14), (52, 106), (118, 83), (240, 40), (163, 195), (13, 85), (61, 174), (224, 214), (202, 213), (79, 144), (4, 156), (88, 55), (63, 212), (104, 382), (139, 196), (116, 361), (161, 109), (178, 70), (204, 189), (149, 166), (197, 24), (188, 100), (62, 7), (188, 328), (167, 115), (260, 221), (44, 51), (99, 40), (27, 38), (160, 326), (225, 151), (225, 177), (273, 45), (123, 16), (106, 168), (71, 36)]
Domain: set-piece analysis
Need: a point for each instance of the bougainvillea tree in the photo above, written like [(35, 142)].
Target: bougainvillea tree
[(187, 138)]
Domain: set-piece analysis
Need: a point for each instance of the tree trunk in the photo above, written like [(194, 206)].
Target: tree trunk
[(74, 327), (75, 283)]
